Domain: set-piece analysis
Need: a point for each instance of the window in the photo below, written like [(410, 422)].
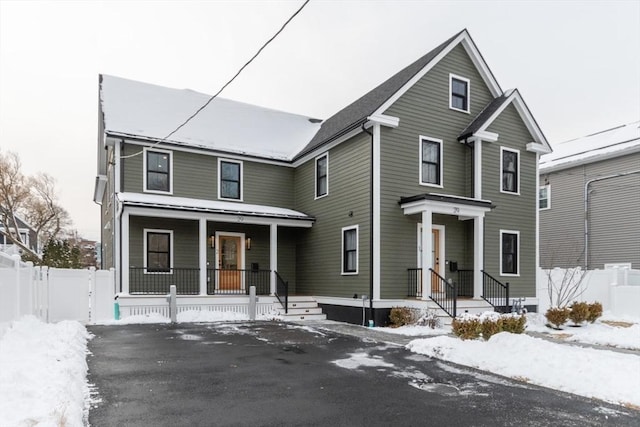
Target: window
[(350, 250), (322, 175), (431, 161), (158, 251), (509, 244), (157, 171), (544, 197), (510, 171), (459, 91), (229, 179)]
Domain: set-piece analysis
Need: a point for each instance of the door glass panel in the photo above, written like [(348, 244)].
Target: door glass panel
[(229, 254)]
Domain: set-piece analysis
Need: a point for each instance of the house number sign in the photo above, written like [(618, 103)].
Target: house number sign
[(240, 219), (456, 210)]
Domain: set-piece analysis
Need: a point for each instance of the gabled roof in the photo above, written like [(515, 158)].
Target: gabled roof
[(379, 99), (145, 111), (493, 110), (610, 143)]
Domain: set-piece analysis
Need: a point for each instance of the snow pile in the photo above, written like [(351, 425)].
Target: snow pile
[(600, 374), (418, 331), (43, 373)]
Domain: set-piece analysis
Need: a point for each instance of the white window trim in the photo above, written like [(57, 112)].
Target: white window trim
[(548, 187), (350, 273), (439, 141), (513, 150), (517, 233), (220, 160), (144, 170), (464, 79), (144, 249), (315, 180)]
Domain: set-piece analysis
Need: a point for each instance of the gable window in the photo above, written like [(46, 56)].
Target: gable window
[(431, 161), (544, 197), (229, 179), (322, 175), (350, 250), (158, 251), (510, 170), (157, 166), (509, 252), (459, 93)]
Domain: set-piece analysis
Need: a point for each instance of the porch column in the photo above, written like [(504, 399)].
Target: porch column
[(202, 251), (478, 255), (124, 252), (273, 256), (427, 250)]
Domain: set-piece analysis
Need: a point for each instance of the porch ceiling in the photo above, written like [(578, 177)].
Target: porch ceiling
[(463, 207), (212, 207)]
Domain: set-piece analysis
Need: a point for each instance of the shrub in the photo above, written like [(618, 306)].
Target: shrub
[(557, 316), (595, 311), (429, 318), (514, 323), (579, 312), (466, 327), (490, 326), (401, 316)]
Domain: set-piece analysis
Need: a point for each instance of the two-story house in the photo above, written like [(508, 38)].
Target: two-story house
[(424, 189), (590, 199)]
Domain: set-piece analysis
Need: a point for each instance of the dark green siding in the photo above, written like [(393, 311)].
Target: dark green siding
[(185, 240), (424, 111), (195, 176), (319, 248), (512, 212)]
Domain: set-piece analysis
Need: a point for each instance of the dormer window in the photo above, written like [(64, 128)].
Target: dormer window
[(459, 93)]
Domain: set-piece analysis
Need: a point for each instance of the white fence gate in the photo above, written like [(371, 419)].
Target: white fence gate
[(54, 294)]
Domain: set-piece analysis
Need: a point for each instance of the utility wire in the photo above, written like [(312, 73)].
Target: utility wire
[(211, 98)]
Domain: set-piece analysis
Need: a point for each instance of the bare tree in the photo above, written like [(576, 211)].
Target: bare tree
[(564, 285), (32, 198)]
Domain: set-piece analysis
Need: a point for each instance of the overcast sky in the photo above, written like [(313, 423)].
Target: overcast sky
[(576, 63)]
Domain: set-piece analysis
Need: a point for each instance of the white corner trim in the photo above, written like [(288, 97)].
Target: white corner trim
[(468, 95), (239, 162), (145, 151), (350, 273), (384, 120), (315, 179), (375, 194)]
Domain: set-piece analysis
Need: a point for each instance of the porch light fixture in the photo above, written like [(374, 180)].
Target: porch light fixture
[(212, 241), (247, 243)]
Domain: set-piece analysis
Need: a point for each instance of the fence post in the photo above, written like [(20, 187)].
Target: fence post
[(16, 266), (92, 294), (173, 306), (252, 303), (30, 288)]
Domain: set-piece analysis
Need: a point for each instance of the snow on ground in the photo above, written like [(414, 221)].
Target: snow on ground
[(190, 316), (598, 373), (418, 331), (43, 373)]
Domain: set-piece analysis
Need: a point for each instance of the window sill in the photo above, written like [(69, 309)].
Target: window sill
[(321, 197), (509, 275), (170, 193), (517, 193), (459, 110), (426, 184), (229, 200), (355, 273)]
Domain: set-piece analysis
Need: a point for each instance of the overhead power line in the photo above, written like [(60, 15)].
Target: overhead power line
[(211, 98)]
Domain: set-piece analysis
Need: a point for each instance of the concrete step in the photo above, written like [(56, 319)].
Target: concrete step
[(297, 317), (303, 304), (302, 311), (300, 299)]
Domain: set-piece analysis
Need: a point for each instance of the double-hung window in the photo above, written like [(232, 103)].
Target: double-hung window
[(158, 251), (544, 197), (459, 93), (322, 175), (431, 161), (510, 170), (350, 250), (509, 252), (157, 171), (229, 179)]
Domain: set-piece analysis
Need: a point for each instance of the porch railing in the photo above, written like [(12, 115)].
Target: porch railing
[(465, 283), (414, 281), (282, 292), (237, 282), (495, 293), (447, 296), (151, 281)]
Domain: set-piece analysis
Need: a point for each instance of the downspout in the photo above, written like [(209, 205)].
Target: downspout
[(586, 210), (371, 227)]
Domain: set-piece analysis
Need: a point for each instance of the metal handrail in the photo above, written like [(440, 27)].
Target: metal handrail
[(495, 293), (282, 291), (447, 300), (414, 281)]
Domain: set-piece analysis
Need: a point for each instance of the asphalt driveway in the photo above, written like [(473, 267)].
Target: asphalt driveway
[(275, 374)]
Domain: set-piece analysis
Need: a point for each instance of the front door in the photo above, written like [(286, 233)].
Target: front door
[(436, 247), (230, 262)]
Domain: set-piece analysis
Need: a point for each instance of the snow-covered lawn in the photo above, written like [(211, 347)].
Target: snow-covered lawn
[(43, 366), (599, 373)]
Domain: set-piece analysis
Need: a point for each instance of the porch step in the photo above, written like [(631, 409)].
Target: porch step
[(302, 308)]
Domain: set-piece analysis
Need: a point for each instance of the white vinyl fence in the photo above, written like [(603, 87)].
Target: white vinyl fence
[(617, 288), (53, 294)]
